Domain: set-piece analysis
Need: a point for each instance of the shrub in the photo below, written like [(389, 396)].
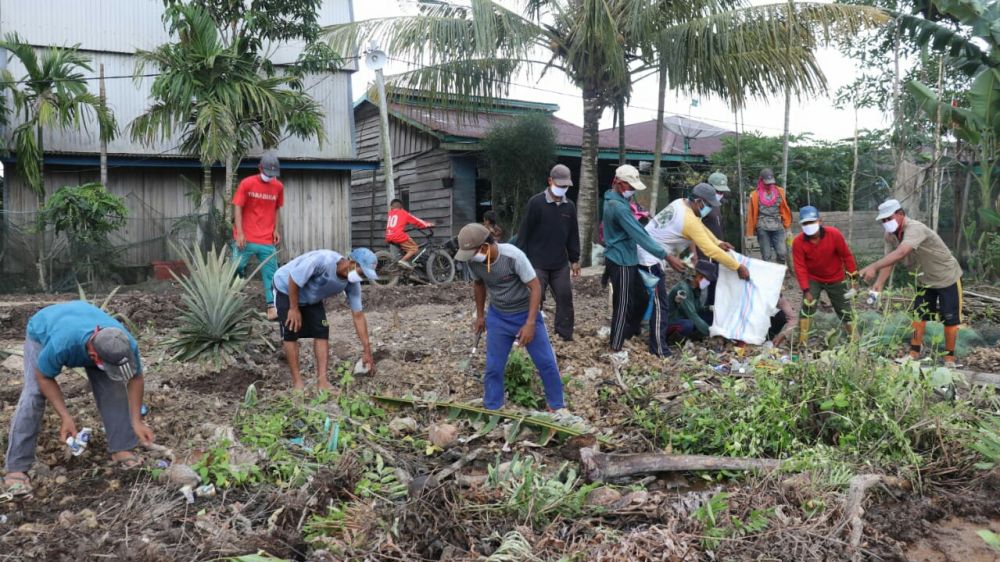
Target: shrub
[(520, 380)]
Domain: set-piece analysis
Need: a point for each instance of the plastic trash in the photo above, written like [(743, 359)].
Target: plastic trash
[(360, 368), (162, 463), (79, 443), (205, 491), (143, 410), (872, 298), (188, 493)]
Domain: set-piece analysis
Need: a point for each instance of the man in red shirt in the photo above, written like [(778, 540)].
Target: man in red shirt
[(395, 231), (821, 258), (255, 211)]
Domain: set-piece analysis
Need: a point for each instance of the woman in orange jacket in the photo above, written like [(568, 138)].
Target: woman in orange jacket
[(768, 216)]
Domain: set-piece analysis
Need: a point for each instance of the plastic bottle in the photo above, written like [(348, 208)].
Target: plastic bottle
[(79, 443), (872, 298)]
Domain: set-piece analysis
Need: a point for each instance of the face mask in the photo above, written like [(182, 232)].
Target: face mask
[(720, 196), (810, 229), (101, 367), (891, 226), (628, 194), (265, 178), (559, 191), (479, 258), (704, 283), (353, 277), (705, 210)]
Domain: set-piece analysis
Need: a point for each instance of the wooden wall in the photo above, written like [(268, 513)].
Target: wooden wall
[(420, 167), (316, 214)]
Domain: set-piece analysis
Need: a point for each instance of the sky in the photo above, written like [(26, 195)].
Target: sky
[(816, 116)]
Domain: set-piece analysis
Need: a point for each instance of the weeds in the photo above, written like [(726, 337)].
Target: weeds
[(217, 469), (718, 526), (537, 497), (520, 380)]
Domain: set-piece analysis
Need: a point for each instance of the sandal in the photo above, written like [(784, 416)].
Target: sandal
[(20, 487), (128, 463)]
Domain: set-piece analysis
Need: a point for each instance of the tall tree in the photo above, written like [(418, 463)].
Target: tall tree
[(52, 94), (720, 47), (218, 99)]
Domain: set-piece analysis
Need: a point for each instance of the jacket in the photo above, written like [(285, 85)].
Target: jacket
[(622, 232), (753, 211), (549, 234)]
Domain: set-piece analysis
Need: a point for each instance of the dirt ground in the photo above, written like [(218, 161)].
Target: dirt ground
[(83, 509)]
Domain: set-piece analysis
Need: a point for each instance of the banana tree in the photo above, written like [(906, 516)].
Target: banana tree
[(477, 48), (976, 54)]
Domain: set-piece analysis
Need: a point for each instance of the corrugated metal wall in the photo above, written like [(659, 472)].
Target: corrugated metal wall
[(316, 213)]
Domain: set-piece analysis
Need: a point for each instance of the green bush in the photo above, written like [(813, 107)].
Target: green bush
[(520, 380)]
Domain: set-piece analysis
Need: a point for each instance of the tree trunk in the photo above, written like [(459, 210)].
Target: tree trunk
[(228, 190), (621, 130), (586, 202), (202, 236), (658, 147), (936, 170), (737, 117), (854, 181), (40, 194), (784, 144), (599, 467)]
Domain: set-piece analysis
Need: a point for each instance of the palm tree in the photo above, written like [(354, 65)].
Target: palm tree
[(711, 46), (218, 100), (52, 94)]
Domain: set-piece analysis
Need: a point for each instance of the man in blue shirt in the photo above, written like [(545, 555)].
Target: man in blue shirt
[(301, 285), (622, 234), (77, 334)]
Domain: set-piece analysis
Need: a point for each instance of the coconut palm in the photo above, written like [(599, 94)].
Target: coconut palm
[(719, 47), (51, 94), (218, 100)]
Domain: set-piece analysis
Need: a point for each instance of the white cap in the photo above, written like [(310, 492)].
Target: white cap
[(631, 175), (887, 209)]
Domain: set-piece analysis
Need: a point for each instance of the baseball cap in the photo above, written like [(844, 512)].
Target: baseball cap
[(719, 182), (767, 175), (561, 176), (270, 165), (470, 238), (628, 173), (887, 209), (706, 192), (808, 214), (707, 269), (367, 260), (114, 349)]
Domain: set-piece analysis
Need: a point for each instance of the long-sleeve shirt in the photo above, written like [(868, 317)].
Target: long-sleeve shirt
[(622, 232), (713, 222), (395, 225), (675, 227), (824, 260), (549, 234), (685, 303), (753, 211)]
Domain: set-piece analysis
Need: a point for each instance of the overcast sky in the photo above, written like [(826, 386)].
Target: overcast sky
[(817, 115)]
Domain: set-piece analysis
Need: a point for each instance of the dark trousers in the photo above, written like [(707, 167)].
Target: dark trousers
[(659, 330), (627, 304), (945, 302), (562, 290)]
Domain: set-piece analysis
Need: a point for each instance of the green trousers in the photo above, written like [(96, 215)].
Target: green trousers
[(262, 252), (836, 293)]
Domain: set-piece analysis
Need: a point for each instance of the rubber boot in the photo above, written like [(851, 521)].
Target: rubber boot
[(917, 341), (804, 330), (950, 339)]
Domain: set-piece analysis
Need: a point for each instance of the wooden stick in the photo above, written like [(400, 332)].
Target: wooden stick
[(601, 466)]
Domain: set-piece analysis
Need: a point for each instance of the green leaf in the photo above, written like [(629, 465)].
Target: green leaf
[(990, 538)]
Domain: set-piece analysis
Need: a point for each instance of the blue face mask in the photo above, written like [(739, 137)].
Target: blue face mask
[(705, 210)]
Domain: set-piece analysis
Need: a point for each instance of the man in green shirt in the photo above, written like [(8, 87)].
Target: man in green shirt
[(688, 309)]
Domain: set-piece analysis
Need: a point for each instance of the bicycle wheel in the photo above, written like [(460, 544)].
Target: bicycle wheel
[(386, 269), (440, 267)]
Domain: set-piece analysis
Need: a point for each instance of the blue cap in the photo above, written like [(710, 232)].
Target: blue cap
[(367, 260), (808, 214)]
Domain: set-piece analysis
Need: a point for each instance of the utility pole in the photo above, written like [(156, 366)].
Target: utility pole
[(104, 143), (376, 59)]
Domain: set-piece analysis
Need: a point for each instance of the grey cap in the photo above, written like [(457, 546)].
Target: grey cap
[(114, 349), (767, 174), (470, 238), (270, 165), (561, 176), (706, 192)]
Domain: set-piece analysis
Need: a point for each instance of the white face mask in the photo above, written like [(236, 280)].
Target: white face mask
[(810, 229), (704, 283), (559, 191), (479, 258), (891, 226), (265, 178), (353, 277), (720, 196), (101, 367), (628, 194)]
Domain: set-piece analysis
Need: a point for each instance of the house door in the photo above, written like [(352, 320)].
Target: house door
[(463, 196)]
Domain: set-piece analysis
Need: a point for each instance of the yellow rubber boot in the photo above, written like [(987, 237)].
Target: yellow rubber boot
[(804, 330)]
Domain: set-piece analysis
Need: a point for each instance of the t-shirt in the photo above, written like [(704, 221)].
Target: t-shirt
[(674, 228), (315, 274), (260, 201), (507, 279), (395, 225), (936, 267), (63, 331), (825, 259)]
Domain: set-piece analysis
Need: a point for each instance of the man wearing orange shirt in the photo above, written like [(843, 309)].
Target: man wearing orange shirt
[(395, 231), (255, 211)]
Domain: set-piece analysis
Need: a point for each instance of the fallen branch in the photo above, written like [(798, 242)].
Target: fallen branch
[(980, 378), (982, 296), (601, 466), (853, 506)]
